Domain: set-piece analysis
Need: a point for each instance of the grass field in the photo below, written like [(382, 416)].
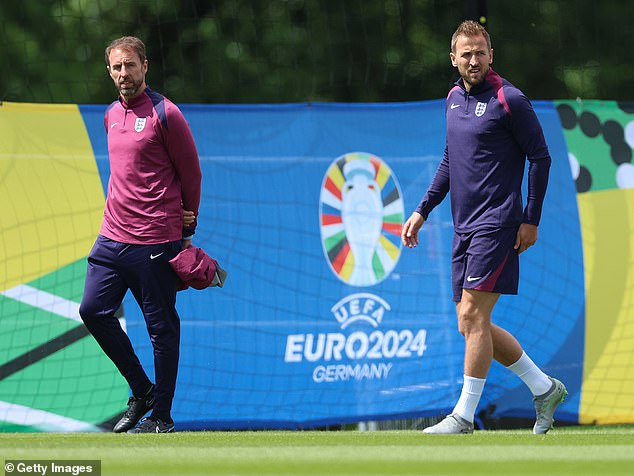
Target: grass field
[(573, 451)]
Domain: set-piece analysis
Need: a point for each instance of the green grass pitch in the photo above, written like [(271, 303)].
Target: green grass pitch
[(571, 451)]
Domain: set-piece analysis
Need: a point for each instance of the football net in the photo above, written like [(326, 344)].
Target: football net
[(268, 215)]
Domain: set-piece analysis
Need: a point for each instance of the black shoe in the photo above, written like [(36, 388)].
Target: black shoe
[(137, 407), (154, 425)]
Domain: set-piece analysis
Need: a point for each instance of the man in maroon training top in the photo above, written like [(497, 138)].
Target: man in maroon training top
[(491, 131), (150, 216)]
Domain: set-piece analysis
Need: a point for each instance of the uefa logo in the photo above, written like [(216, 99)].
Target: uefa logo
[(361, 213)]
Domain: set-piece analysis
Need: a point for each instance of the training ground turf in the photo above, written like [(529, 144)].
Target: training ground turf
[(572, 451)]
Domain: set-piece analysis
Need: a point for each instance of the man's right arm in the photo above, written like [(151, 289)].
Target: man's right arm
[(438, 189), (435, 194)]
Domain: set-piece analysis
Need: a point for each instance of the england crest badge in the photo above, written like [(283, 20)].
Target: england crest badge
[(479, 110), (139, 125)]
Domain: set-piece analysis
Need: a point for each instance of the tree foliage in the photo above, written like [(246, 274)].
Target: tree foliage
[(254, 51)]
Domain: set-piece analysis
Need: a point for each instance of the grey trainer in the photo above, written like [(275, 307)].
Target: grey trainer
[(453, 424), (545, 406)]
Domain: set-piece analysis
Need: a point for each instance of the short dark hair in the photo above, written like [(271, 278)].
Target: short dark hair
[(126, 42), (470, 28)]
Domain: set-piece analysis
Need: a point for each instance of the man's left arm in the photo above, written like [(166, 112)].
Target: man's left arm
[(182, 150), (529, 134)]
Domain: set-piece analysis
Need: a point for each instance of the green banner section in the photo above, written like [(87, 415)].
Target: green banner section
[(53, 375), (600, 139)]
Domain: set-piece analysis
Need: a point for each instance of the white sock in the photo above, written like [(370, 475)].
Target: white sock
[(469, 398), (537, 381)]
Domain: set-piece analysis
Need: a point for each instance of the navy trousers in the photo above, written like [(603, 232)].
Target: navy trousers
[(113, 268)]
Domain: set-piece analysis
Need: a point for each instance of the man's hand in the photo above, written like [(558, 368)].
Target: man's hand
[(188, 218), (409, 233), (526, 237)]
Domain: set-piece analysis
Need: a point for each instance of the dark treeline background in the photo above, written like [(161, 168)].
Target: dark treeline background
[(239, 51)]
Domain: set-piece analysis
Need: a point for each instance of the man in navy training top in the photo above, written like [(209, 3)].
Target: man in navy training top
[(491, 130), (150, 215)]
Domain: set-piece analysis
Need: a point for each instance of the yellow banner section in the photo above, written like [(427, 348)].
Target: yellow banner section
[(607, 223), (51, 198)]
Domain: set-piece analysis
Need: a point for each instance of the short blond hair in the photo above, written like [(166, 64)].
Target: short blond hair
[(127, 43), (469, 28)]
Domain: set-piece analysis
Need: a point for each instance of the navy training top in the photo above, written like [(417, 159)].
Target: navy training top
[(491, 130)]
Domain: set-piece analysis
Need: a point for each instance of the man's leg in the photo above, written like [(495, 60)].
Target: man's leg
[(103, 292), (474, 322), (153, 284), (508, 351), (547, 392)]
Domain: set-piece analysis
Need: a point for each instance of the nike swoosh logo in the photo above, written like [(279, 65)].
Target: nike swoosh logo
[(453, 106), (112, 125), (469, 278), (156, 256)]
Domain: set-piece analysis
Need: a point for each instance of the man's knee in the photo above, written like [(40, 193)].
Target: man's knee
[(91, 310), (474, 311), (87, 311), (471, 319)]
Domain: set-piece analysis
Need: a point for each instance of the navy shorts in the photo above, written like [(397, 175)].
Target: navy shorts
[(485, 260)]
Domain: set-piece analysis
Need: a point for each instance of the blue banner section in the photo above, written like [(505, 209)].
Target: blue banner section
[(324, 318)]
